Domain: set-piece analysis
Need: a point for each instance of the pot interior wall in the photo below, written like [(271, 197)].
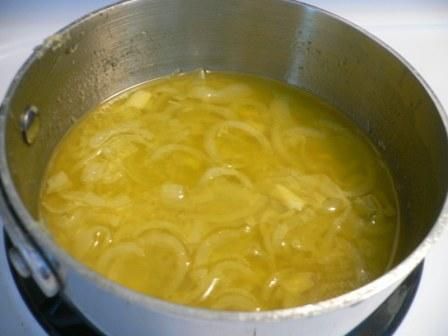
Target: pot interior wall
[(139, 40)]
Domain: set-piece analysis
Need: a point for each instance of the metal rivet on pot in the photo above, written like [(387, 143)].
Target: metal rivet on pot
[(19, 263), (30, 124)]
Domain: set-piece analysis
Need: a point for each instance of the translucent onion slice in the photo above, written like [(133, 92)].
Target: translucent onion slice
[(215, 172), (217, 241), (266, 237), (279, 107), (337, 224), (236, 300), (177, 267), (304, 132), (355, 185), (269, 285), (221, 111), (138, 99), (209, 289), (169, 90), (279, 146), (88, 198), (134, 231), (298, 134), (364, 186), (201, 284), (87, 239), (279, 234), (210, 137), (207, 282), (322, 188), (255, 112), (172, 194), (57, 183), (102, 171), (212, 210), (166, 150), (309, 190), (295, 282), (253, 105), (125, 140), (238, 267), (118, 250), (288, 198), (287, 287), (132, 130), (59, 207)]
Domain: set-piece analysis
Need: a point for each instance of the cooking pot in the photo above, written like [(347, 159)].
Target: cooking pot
[(128, 43)]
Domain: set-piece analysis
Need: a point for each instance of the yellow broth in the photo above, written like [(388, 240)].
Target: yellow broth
[(224, 191)]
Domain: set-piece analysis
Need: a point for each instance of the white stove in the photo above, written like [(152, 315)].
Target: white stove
[(418, 30)]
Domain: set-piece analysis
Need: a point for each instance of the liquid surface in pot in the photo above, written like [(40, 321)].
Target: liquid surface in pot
[(223, 191)]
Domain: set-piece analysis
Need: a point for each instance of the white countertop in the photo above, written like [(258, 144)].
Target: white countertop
[(418, 30)]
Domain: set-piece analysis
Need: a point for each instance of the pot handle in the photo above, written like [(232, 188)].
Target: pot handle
[(25, 255)]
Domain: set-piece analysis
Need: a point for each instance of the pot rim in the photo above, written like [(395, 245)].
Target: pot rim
[(44, 241)]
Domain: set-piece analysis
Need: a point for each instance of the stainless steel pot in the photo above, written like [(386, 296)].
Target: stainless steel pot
[(131, 42)]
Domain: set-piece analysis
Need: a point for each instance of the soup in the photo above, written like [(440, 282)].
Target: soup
[(223, 191)]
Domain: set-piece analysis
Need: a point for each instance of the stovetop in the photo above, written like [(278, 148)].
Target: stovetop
[(417, 29)]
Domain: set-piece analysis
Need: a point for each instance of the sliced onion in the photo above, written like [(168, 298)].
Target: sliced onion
[(288, 198), (295, 282), (85, 159), (138, 99), (119, 250), (58, 182), (166, 89), (236, 300), (102, 171), (209, 289), (166, 150), (321, 187), (279, 146), (126, 139), (304, 132), (215, 172), (61, 207), (279, 107), (132, 232), (130, 129), (245, 209), (199, 281), (213, 242), (337, 225), (364, 186), (221, 111), (162, 239), (210, 142), (266, 238), (253, 104), (172, 193), (88, 198), (279, 137), (237, 266), (279, 234), (90, 238)]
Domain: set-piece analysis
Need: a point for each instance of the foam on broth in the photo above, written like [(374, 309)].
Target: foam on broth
[(224, 191)]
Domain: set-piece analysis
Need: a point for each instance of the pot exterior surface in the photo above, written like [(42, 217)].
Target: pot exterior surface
[(134, 41)]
